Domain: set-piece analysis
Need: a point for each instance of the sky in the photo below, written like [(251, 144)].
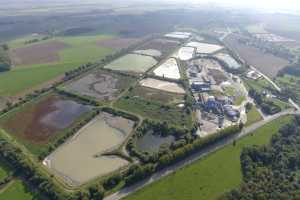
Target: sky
[(258, 4)]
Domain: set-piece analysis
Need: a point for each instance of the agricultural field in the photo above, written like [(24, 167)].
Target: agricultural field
[(100, 84), (155, 95), (40, 122), (164, 46), (204, 48), (132, 63), (41, 53), (168, 69), (45, 61), (162, 85), (267, 63), (208, 177), (80, 159), (231, 62), (117, 43)]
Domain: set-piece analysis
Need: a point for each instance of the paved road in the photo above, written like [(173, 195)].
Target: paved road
[(192, 158)]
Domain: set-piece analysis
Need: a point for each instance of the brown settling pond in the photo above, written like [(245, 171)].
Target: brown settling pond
[(40, 121), (151, 142)]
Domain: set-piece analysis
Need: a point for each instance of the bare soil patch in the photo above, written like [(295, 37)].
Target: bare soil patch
[(101, 85), (45, 52), (162, 85), (267, 63), (118, 43), (163, 45), (40, 121), (218, 75)]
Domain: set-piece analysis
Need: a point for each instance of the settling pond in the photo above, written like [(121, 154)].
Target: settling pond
[(80, 159), (151, 142), (38, 122)]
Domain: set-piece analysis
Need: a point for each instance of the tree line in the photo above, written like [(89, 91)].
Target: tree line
[(271, 171)]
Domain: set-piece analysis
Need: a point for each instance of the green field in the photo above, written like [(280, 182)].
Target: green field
[(211, 176), (155, 111), (253, 116), (157, 95), (15, 81), (258, 85), (133, 63), (4, 170), (16, 190), (82, 50)]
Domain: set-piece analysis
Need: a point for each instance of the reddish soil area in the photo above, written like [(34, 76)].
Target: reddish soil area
[(46, 52), (117, 43), (39, 122), (163, 45), (267, 63)]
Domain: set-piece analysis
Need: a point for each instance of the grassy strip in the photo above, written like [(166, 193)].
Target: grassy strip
[(211, 176), (18, 190), (253, 116)]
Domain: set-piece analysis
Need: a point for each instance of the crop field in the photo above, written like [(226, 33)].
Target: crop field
[(45, 52), (162, 85), (117, 43), (36, 124), (80, 50), (132, 63), (208, 177), (100, 84), (185, 53), (79, 159), (204, 48), (29, 78), (163, 45), (268, 64), (231, 62), (169, 69), (156, 95)]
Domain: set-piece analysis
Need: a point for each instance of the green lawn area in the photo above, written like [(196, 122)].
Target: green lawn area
[(239, 100), (258, 85), (157, 95), (15, 81), (229, 91), (17, 191), (211, 176), (253, 116), (82, 50), (4, 170), (154, 110)]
